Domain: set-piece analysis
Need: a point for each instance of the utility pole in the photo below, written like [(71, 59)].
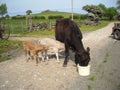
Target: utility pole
[(72, 8)]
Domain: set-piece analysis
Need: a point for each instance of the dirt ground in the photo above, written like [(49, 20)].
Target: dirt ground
[(16, 74)]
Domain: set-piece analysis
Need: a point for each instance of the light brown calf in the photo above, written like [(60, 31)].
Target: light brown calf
[(30, 47)]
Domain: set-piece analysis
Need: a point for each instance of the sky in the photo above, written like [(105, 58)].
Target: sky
[(19, 7)]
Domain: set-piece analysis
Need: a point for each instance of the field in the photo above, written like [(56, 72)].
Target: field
[(19, 26)]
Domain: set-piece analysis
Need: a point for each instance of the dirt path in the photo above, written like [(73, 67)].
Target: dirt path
[(15, 74), (105, 62)]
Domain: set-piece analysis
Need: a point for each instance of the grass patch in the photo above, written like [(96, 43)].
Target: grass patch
[(6, 46), (118, 86), (89, 87), (106, 58), (41, 33), (82, 28), (92, 78), (93, 28), (18, 26)]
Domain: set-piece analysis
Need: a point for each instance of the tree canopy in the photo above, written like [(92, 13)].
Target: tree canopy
[(94, 11), (3, 9), (28, 12), (111, 12), (118, 4)]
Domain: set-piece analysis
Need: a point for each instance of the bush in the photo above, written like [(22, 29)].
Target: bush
[(75, 17), (18, 17), (83, 17), (55, 17), (39, 17)]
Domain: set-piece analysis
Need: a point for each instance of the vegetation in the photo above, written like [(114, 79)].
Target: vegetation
[(94, 11), (6, 46), (3, 9), (28, 12), (92, 28), (89, 87), (92, 78), (40, 33), (18, 26), (109, 13), (118, 4)]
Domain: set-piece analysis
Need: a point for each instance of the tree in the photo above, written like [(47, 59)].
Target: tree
[(103, 7), (111, 12), (118, 4), (93, 9), (28, 12), (7, 16), (3, 9)]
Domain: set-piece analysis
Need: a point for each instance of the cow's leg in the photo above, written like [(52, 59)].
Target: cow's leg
[(57, 56), (29, 56), (76, 60), (43, 58), (35, 58), (26, 59), (66, 53), (46, 55)]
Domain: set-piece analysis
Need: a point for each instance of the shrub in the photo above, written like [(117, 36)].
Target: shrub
[(55, 17)]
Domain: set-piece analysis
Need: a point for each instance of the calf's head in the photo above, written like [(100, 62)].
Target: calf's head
[(83, 58)]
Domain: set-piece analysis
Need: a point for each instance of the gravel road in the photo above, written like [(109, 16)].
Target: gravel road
[(16, 74)]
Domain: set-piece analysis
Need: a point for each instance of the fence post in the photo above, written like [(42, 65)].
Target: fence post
[(22, 27), (11, 28)]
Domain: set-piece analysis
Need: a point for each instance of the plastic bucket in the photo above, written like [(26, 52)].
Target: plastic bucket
[(83, 70)]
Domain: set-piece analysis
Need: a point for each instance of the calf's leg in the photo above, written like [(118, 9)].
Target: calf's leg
[(35, 58)]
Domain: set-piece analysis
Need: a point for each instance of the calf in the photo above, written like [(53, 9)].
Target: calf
[(30, 47), (54, 46)]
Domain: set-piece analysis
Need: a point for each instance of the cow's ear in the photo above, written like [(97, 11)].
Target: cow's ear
[(88, 49)]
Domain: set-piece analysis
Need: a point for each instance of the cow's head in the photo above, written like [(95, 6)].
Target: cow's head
[(83, 58)]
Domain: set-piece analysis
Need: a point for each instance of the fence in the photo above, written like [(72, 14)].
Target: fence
[(20, 26)]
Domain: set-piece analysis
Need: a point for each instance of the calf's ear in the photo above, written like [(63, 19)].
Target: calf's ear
[(88, 49)]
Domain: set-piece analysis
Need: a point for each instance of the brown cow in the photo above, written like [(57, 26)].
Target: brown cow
[(30, 47)]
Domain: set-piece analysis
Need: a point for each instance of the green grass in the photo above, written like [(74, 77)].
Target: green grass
[(93, 28), (92, 78), (53, 13), (106, 58), (89, 87), (118, 86), (40, 33), (6, 46)]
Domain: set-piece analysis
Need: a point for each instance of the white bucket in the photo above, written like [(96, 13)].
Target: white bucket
[(83, 70)]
